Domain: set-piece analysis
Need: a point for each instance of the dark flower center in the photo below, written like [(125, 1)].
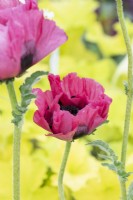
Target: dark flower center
[(26, 62), (72, 109), (82, 131)]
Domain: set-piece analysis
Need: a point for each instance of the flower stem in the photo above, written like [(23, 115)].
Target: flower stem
[(62, 169), (16, 143), (12, 95), (129, 90)]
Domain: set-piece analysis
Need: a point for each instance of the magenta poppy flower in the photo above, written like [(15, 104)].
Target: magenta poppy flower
[(25, 37), (9, 3), (74, 107)]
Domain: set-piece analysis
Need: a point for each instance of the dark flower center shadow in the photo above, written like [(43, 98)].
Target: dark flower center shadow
[(26, 62), (71, 108), (81, 131)]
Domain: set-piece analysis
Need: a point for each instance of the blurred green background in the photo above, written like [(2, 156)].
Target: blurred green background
[(95, 49)]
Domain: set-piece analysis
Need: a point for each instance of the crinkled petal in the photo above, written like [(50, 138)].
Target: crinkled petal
[(50, 38), (102, 108), (9, 57), (92, 89), (40, 121), (86, 117), (71, 88), (63, 123), (31, 31), (55, 84), (43, 100), (14, 8), (94, 114), (79, 101), (4, 4), (66, 137), (8, 3), (31, 4), (72, 85)]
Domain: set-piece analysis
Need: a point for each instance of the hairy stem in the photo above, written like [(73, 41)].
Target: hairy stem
[(16, 143), (61, 172), (129, 91)]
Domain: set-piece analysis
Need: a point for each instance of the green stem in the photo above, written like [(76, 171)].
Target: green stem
[(12, 95), (123, 190), (16, 163), (16, 143), (62, 169), (130, 89)]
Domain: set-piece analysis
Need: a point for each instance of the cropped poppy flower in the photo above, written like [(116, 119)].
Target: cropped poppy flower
[(26, 37), (74, 107), (9, 3)]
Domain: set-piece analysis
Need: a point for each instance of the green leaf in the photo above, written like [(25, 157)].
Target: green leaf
[(105, 157), (26, 95), (126, 87), (47, 179), (130, 192), (114, 165), (110, 166), (104, 147), (26, 89)]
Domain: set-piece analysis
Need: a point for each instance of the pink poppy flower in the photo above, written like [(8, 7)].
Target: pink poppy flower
[(74, 107), (26, 37), (9, 3)]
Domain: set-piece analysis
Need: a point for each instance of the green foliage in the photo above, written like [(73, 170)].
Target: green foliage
[(26, 95), (130, 192), (126, 87), (26, 89), (91, 53), (110, 155)]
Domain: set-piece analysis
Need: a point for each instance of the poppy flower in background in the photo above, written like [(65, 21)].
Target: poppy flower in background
[(74, 107), (7, 4), (107, 14), (26, 37)]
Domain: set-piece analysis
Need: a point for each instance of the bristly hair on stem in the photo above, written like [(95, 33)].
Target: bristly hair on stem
[(120, 12)]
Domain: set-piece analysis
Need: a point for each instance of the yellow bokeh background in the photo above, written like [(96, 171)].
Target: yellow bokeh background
[(85, 178)]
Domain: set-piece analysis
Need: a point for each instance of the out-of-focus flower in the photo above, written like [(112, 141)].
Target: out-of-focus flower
[(13, 3), (74, 107), (26, 37), (107, 14), (7, 3)]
